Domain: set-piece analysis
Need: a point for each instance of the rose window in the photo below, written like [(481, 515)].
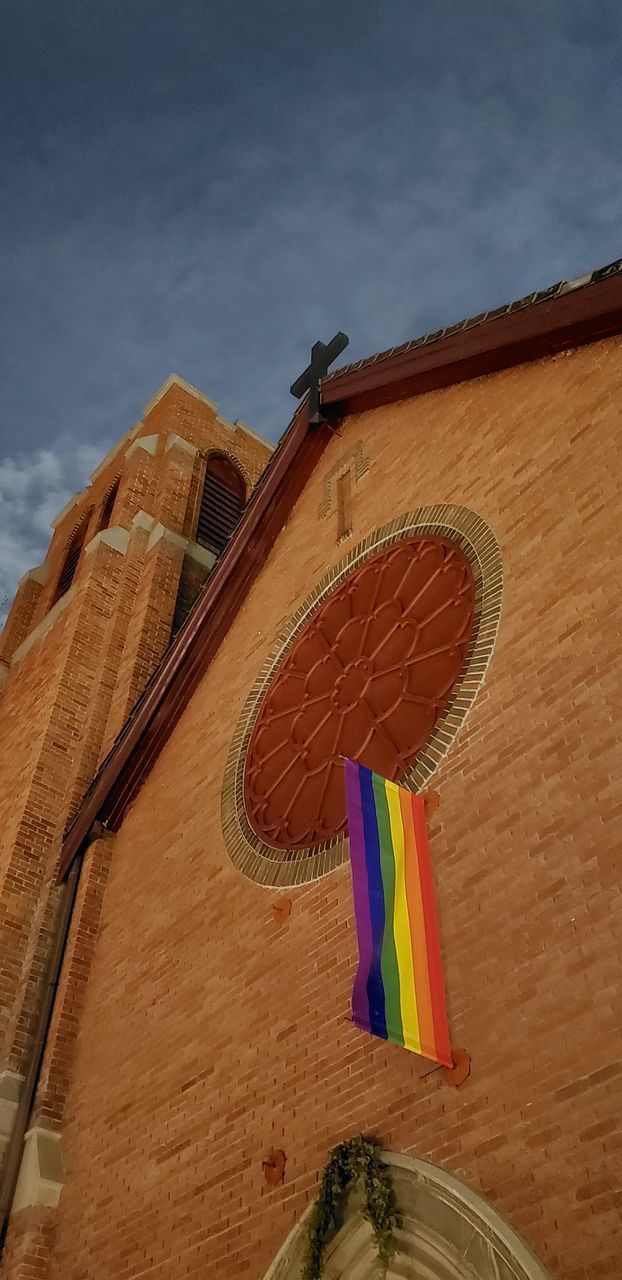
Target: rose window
[(367, 678)]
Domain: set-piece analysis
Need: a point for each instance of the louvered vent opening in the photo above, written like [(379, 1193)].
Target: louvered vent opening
[(70, 564), (222, 501), (108, 506)]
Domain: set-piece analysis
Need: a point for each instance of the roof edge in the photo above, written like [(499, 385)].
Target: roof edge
[(176, 380), (482, 318), (568, 316)]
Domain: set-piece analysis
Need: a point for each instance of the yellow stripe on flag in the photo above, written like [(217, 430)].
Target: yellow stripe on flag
[(401, 926)]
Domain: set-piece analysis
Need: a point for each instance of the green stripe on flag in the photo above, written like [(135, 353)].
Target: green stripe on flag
[(388, 960)]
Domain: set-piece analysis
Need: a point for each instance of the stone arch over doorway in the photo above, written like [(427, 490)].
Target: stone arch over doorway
[(449, 1232)]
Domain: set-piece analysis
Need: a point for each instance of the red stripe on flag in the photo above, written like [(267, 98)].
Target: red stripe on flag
[(435, 972)]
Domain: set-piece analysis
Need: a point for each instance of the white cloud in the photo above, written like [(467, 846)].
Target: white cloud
[(223, 212), (33, 489)]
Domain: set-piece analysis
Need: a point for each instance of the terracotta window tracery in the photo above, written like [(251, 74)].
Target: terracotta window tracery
[(368, 678), (266, 835)]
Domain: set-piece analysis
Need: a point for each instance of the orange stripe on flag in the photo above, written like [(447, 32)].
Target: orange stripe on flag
[(433, 948), (417, 929)]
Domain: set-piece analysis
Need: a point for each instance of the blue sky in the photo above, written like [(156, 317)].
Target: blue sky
[(209, 187)]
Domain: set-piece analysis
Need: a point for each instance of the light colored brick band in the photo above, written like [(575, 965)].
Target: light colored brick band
[(41, 1175), (40, 573), (278, 868), (114, 537), (10, 1088), (201, 554), (177, 442), (148, 443)]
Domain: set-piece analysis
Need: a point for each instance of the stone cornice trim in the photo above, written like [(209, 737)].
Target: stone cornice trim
[(175, 380), (160, 532), (114, 537), (39, 574), (238, 425), (201, 554), (142, 520), (148, 443), (177, 442), (41, 1176)]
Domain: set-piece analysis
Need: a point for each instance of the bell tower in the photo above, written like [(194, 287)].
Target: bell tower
[(85, 633)]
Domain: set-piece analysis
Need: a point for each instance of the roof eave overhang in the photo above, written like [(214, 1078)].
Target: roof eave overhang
[(571, 319)]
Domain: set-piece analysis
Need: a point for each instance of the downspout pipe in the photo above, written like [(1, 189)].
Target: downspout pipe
[(13, 1159)]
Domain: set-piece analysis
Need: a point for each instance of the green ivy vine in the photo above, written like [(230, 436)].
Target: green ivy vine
[(350, 1162)]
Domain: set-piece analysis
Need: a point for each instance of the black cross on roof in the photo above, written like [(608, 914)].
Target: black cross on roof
[(322, 356)]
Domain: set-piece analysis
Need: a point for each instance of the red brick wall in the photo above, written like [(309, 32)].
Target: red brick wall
[(211, 1033), (31, 800), (68, 693), (27, 1249), (62, 686)]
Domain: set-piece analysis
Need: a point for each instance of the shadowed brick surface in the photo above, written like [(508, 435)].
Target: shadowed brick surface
[(74, 672)]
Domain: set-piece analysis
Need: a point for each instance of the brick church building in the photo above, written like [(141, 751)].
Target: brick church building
[(422, 576)]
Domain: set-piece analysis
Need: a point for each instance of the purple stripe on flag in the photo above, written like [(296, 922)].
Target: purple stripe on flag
[(360, 892)]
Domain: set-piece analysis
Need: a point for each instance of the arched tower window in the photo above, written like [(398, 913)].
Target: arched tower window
[(222, 500), (108, 507), (72, 557)]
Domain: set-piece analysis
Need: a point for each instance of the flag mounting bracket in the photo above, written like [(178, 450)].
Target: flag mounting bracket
[(461, 1069)]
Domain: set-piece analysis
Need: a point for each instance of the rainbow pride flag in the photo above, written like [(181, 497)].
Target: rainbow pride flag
[(398, 990)]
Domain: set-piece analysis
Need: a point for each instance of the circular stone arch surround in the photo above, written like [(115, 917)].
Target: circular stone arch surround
[(448, 1232), (275, 867)]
